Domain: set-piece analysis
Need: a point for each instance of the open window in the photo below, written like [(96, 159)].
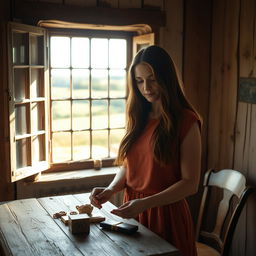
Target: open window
[(28, 101), (68, 89)]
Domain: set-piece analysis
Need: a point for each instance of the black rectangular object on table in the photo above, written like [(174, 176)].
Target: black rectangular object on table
[(122, 227)]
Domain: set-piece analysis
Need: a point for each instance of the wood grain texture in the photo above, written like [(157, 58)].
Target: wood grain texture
[(245, 139), (196, 72), (222, 110), (145, 242), (171, 35), (129, 3), (27, 227), (154, 4), (87, 245), (32, 12), (91, 3), (6, 187), (108, 3), (51, 1), (33, 231)]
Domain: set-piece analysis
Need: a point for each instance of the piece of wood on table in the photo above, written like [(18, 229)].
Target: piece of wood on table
[(144, 242), (96, 243), (27, 229)]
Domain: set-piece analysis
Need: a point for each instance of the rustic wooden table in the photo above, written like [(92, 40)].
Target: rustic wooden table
[(27, 228)]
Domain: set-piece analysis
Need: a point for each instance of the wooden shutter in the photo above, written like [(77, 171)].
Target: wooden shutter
[(28, 100), (142, 41)]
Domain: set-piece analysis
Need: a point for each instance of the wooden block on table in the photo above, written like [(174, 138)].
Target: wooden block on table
[(79, 223), (97, 219), (93, 219), (64, 219)]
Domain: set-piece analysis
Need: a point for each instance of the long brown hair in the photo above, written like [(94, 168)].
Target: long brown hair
[(173, 101)]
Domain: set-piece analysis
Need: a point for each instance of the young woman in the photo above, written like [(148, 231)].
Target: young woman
[(160, 154)]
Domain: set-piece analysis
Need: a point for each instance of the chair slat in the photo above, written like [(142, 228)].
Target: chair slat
[(228, 179)]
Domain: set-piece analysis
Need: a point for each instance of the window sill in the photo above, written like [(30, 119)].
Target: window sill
[(69, 182), (76, 174)]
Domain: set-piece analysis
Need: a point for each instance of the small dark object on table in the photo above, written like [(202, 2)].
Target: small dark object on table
[(122, 227)]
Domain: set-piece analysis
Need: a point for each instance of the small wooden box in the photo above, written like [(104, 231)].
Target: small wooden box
[(79, 223)]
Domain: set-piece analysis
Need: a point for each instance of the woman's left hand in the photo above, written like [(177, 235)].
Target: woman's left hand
[(130, 209)]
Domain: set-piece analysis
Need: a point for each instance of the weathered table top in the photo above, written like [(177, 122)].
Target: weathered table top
[(27, 228)]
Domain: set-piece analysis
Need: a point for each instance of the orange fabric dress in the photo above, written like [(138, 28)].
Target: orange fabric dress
[(144, 177)]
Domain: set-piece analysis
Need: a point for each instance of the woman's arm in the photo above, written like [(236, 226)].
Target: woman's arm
[(101, 195), (188, 185), (119, 181)]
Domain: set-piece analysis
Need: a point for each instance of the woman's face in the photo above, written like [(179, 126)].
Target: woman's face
[(146, 82)]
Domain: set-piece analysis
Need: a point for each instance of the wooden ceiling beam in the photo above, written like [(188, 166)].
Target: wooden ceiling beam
[(32, 12)]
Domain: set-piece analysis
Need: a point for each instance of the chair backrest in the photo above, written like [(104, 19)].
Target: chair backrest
[(225, 194)]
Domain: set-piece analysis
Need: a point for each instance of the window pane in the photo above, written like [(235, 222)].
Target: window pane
[(117, 53), (21, 84), (81, 144), (99, 114), (115, 139), (37, 83), (20, 48), (23, 148), (80, 79), (61, 115), (38, 145), (38, 116), (99, 53), (99, 144), (21, 119), (117, 83), (37, 49), (61, 146), (80, 115), (99, 83), (80, 52), (117, 113), (60, 83), (60, 52)]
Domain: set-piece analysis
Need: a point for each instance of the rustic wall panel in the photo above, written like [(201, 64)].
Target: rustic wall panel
[(108, 3), (171, 36), (245, 153), (89, 3), (7, 189), (158, 4), (129, 3), (222, 112), (50, 1), (196, 69)]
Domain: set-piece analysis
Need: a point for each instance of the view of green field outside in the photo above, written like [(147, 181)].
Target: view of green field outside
[(73, 95)]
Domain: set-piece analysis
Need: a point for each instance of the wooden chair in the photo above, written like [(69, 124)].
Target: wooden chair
[(225, 194)]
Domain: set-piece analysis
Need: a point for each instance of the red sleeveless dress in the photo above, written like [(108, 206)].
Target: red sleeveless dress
[(144, 177)]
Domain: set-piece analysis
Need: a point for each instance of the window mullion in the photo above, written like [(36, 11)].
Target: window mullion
[(90, 96), (71, 99), (108, 104)]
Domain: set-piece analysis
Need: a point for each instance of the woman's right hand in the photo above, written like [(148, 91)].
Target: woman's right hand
[(100, 195)]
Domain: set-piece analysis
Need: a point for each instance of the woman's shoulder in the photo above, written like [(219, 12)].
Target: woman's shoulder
[(187, 118), (187, 113)]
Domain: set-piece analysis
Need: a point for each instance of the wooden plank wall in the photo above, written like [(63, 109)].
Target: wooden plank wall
[(245, 132), (171, 36), (7, 190), (232, 124), (196, 71), (224, 63)]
